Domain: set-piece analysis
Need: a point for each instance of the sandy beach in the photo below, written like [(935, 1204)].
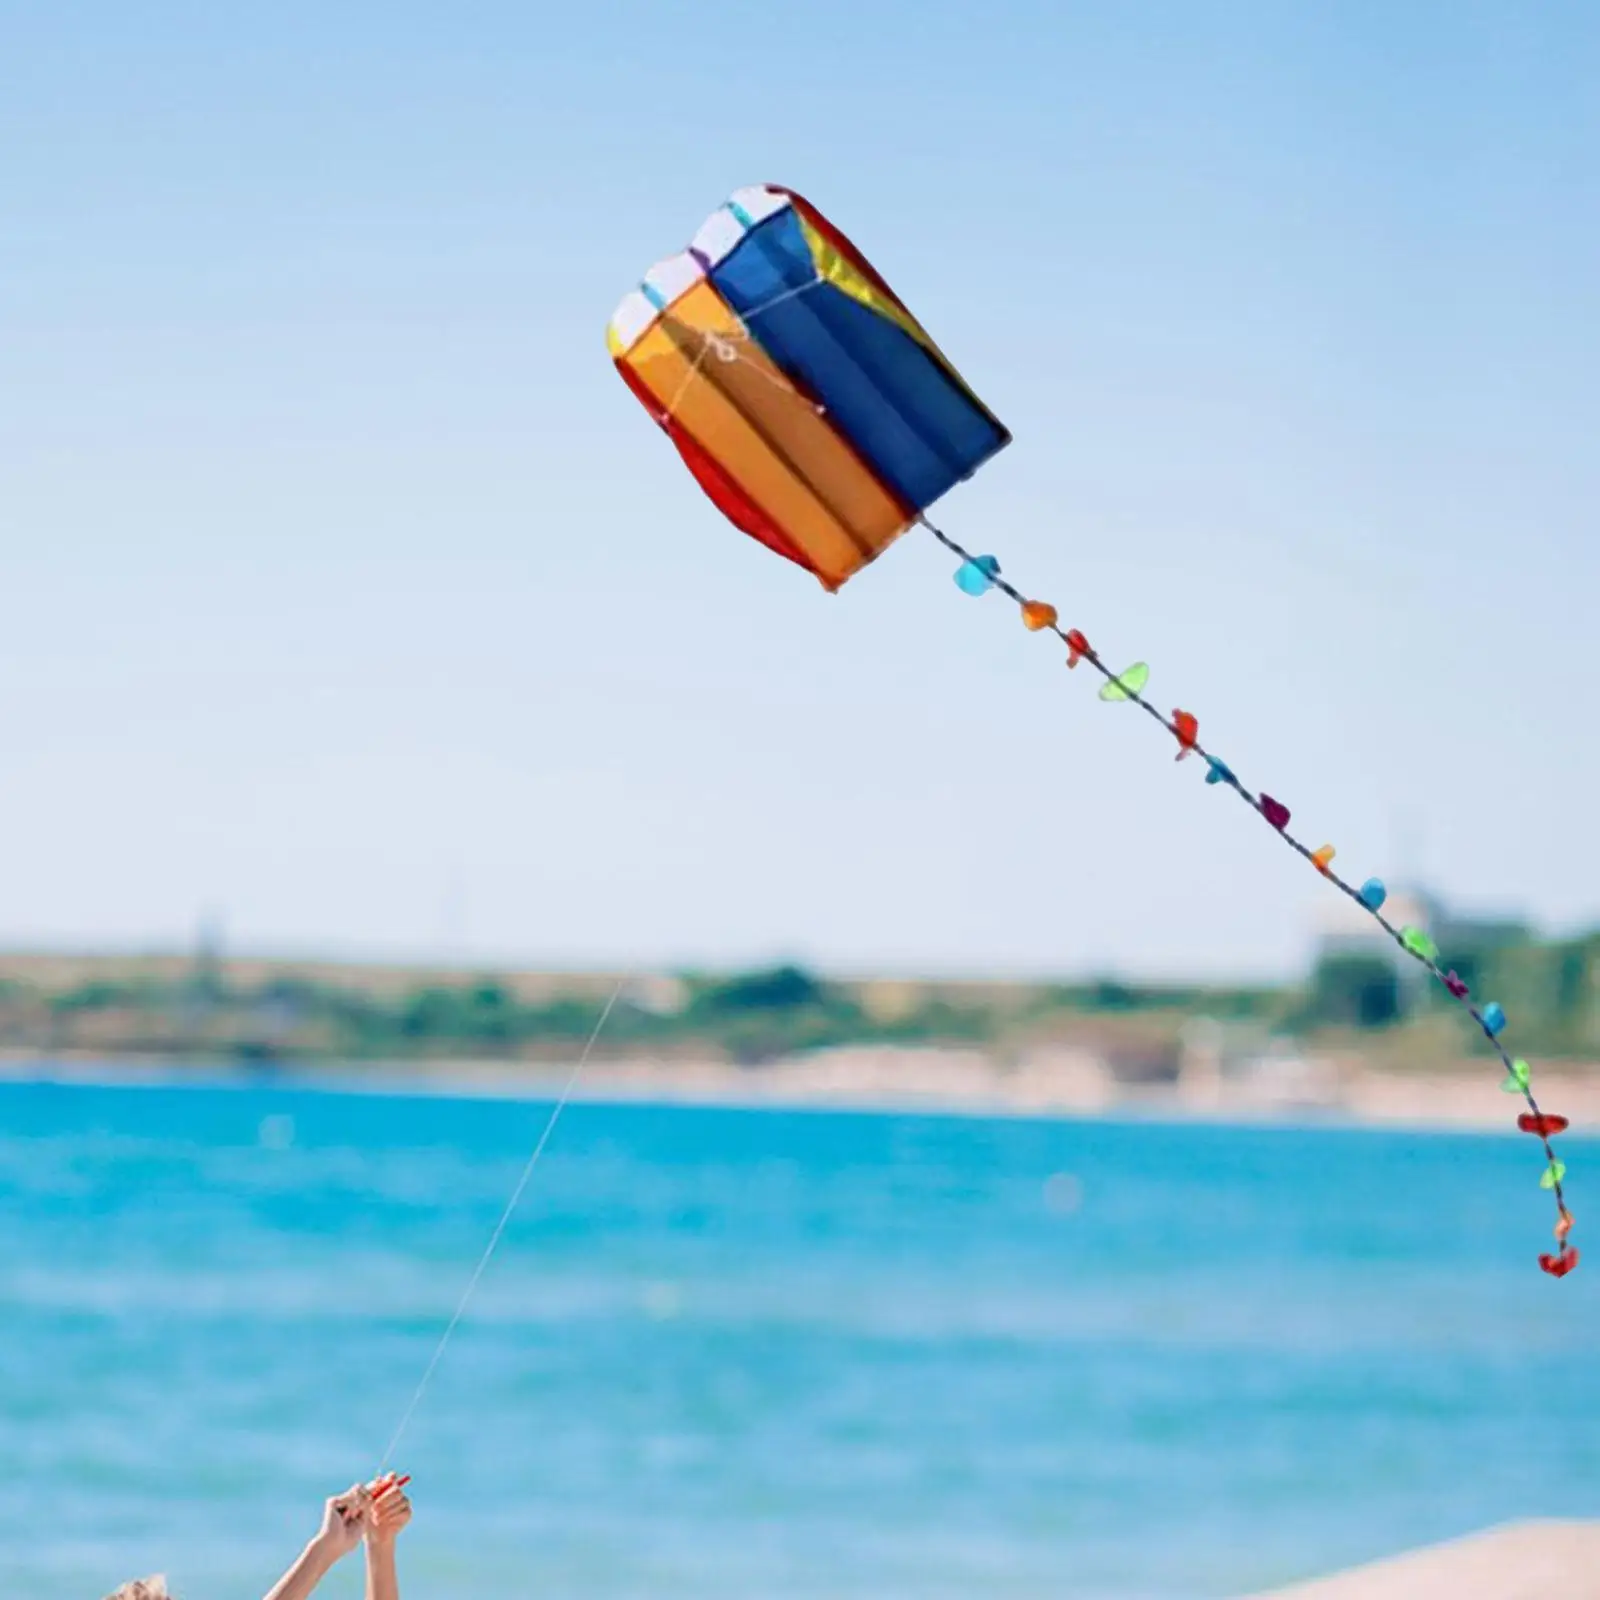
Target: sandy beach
[(972, 1082), (934, 1081), (1522, 1561)]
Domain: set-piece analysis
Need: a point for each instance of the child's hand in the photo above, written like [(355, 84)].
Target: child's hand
[(343, 1519), (388, 1512)]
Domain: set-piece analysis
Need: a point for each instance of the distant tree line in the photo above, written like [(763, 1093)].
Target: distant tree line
[(1551, 991)]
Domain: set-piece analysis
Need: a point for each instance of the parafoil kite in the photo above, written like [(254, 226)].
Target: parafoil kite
[(820, 417)]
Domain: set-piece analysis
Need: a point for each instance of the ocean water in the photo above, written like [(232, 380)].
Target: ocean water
[(770, 1354)]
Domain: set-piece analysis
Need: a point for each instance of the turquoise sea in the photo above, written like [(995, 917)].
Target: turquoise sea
[(770, 1354)]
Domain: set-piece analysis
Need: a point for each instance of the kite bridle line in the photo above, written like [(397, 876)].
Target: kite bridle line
[(1219, 772), (501, 1225), (724, 344)]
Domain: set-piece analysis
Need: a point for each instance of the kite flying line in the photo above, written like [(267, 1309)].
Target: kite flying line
[(500, 1227)]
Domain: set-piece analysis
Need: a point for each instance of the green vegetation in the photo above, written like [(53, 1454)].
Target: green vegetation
[(261, 1013), (1550, 990)]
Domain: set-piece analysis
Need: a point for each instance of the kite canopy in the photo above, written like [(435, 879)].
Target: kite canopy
[(808, 402)]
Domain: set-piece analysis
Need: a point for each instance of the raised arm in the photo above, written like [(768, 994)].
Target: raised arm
[(343, 1518), (389, 1512)]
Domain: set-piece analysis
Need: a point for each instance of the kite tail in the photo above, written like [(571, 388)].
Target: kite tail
[(978, 574)]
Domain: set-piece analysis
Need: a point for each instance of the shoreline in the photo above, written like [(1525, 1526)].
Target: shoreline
[(935, 1082)]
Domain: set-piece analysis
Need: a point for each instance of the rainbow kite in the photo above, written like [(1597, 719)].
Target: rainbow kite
[(823, 421)]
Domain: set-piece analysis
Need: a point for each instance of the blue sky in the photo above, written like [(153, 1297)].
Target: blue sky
[(349, 594)]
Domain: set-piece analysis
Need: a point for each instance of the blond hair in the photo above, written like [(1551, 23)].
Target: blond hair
[(142, 1589)]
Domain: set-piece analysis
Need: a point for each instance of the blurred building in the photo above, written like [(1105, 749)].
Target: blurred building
[(1363, 978)]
